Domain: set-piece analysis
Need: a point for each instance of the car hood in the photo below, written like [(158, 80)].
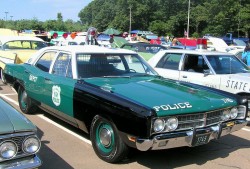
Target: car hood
[(166, 97), (12, 121)]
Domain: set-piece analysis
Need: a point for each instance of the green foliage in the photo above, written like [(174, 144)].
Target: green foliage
[(163, 17)]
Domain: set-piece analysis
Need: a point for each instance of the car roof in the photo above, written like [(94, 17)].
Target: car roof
[(235, 51), (88, 49), (142, 44), (198, 51), (5, 39), (91, 49)]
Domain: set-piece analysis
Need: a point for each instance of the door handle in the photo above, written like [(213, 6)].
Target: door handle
[(184, 76), (26, 71), (47, 79)]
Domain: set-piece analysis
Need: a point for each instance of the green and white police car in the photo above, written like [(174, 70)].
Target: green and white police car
[(116, 97)]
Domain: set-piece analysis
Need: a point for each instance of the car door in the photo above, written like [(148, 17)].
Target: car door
[(196, 70), (59, 86), (168, 65), (36, 75)]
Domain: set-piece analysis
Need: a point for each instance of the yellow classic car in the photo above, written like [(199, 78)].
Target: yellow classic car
[(17, 49)]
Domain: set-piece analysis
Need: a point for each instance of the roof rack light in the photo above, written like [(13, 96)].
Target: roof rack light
[(201, 43)]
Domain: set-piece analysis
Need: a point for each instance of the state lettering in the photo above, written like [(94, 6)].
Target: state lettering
[(236, 85)]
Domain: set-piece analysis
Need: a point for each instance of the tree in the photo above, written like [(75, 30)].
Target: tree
[(160, 16)]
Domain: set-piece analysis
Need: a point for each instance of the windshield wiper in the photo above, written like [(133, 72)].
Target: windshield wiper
[(116, 76), (141, 74)]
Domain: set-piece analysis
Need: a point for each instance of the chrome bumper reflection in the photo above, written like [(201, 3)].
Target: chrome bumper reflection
[(21, 163), (189, 138)]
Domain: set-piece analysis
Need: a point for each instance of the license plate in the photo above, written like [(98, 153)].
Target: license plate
[(200, 139), (230, 124)]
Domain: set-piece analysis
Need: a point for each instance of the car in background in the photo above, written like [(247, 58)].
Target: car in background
[(220, 45), (116, 97), (65, 39), (146, 50), (35, 33), (237, 53), (17, 49), (8, 32), (103, 37), (183, 43), (238, 43), (213, 69), (53, 36), (19, 143), (231, 36)]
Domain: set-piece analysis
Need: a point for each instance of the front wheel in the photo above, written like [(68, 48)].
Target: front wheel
[(106, 142), (25, 102)]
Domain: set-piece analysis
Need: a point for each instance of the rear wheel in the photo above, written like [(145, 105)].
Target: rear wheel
[(106, 142), (25, 102)]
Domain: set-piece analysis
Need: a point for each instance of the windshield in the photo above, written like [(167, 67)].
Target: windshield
[(111, 65), (227, 64)]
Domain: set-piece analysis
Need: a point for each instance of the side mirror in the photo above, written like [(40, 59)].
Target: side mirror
[(206, 72)]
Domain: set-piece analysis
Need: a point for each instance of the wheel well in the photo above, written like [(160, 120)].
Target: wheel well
[(91, 114), (244, 95), (0, 73), (16, 86)]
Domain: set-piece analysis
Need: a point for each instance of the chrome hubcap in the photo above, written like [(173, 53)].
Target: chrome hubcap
[(105, 137)]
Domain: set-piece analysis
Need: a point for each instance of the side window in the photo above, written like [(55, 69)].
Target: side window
[(170, 61), (13, 45), (45, 61), (195, 63), (26, 45), (62, 64), (38, 45)]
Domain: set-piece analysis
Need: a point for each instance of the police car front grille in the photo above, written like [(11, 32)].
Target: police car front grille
[(198, 120)]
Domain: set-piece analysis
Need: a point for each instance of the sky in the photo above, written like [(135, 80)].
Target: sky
[(41, 10)]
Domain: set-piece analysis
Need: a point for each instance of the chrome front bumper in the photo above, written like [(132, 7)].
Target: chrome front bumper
[(189, 138), (22, 163)]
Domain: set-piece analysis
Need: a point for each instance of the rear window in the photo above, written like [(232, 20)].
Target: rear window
[(14, 45)]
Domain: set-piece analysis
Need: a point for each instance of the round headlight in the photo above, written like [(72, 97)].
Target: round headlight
[(233, 113), (31, 145), (159, 125), (8, 150), (172, 123), (225, 115)]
